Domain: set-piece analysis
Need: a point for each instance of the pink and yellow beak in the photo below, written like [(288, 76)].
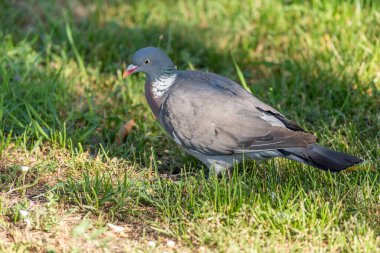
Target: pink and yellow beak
[(129, 70)]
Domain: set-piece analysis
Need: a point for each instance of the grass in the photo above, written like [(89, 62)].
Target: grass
[(63, 101)]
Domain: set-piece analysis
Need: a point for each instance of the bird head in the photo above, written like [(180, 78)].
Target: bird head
[(149, 60)]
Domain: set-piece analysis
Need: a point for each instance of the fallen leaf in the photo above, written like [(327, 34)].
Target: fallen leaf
[(115, 229), (124, 131)]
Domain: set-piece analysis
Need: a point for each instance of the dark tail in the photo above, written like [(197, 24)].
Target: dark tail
[(321, 157)]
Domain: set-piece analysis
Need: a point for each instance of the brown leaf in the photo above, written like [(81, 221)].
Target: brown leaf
[(124, 131)]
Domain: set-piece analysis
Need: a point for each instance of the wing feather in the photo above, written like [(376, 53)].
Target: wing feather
[(213, 115)]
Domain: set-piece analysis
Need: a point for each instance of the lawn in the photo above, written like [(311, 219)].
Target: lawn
[(75, 178)]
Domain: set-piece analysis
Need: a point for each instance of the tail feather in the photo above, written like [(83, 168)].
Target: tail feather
[(321, 157)]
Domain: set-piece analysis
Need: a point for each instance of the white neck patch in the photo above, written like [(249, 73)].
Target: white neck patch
[(162, 84)]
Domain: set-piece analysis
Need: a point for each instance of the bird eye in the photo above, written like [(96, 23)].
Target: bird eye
[(147, 61)]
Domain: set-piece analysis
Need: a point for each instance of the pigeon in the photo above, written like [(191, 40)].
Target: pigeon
[(220, 123)]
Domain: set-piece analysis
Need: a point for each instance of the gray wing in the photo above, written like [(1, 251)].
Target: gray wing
[(213, 115)]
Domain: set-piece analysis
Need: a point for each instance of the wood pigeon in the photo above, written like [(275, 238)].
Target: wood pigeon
[(220, 123)]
